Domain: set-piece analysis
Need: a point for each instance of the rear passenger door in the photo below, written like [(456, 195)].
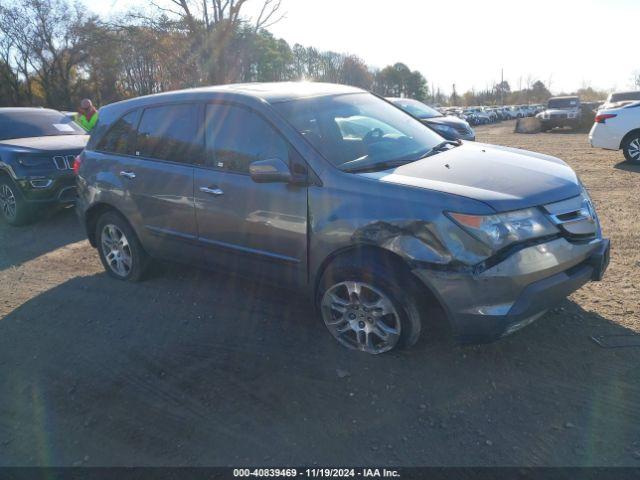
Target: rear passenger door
[(157, 176), (247, 227)]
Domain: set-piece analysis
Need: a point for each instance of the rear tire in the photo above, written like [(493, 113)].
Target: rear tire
[(374, 303), (120, 251), (14, 209), (631, 148)]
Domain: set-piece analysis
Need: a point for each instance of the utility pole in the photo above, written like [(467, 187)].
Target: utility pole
[(501, 86)]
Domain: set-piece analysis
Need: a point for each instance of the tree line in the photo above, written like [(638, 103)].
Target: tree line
[(53, 53)]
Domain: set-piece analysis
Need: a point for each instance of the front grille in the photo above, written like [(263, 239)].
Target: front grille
[(64, 162), (575, 217), (558, 115)]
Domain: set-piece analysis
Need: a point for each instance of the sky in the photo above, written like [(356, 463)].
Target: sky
[(568, 44)]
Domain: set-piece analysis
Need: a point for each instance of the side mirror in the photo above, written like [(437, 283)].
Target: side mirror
[(272, 170)]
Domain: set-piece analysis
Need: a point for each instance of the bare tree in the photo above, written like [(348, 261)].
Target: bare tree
[(218, 31), (45, 35), (210, 13)]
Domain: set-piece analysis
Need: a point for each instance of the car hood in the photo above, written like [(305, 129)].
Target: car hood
[(448, 120), (50, 143), (504, 178)]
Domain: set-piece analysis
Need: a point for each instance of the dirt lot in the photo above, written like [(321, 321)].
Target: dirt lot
[(196, 368)]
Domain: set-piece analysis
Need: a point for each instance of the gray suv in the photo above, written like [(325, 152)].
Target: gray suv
[(337, 192)]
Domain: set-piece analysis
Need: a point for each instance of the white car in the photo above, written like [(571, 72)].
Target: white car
[(618, 128), (619, 99)]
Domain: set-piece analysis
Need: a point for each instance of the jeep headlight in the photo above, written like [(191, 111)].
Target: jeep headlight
[(503, 229)]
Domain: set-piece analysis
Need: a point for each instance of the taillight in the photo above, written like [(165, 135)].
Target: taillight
[(76, 164), (601, 118)]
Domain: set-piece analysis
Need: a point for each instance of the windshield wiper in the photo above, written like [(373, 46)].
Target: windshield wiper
[(398, 163), (440, 147), (375, 166)]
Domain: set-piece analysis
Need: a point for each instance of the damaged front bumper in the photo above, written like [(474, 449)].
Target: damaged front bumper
[(485, 306)]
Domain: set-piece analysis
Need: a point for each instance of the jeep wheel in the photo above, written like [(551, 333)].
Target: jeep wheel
[(13, 208), (631, 148)]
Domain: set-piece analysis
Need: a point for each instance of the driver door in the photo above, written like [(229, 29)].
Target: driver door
[(257, 229)]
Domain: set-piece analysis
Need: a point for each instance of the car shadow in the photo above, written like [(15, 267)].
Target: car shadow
[(628, 166), (567, 131), (53, 229), (199, 368)]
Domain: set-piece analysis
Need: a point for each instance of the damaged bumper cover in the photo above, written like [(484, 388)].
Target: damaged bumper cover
[(486, 305)]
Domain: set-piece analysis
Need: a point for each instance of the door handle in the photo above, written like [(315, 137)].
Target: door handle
[(212, 191), (129, 175)]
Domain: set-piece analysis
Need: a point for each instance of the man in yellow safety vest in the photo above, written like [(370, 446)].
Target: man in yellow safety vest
[(87, 116)]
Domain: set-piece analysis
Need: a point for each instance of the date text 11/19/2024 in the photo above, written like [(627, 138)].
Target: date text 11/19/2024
[(316, 473)]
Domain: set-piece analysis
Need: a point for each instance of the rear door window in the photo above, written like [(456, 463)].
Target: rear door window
[(236, 137), (118, 139), (171, 132)]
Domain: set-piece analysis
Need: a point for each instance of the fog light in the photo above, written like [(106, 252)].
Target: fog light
[(520, 325), (41, 183)]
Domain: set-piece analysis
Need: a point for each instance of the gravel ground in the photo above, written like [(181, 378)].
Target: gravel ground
[(197, 368)]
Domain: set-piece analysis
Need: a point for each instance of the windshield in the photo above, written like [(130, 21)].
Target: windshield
[(359, 130), (416, 108), (36, 123), (563, 103)]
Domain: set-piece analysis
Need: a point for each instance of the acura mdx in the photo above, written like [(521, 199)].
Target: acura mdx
[(337, 192)]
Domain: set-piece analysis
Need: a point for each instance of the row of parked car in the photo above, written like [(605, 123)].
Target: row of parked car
[(386, 225), (483, 115)]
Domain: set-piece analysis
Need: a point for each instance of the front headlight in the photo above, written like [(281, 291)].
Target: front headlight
[(503, 229)]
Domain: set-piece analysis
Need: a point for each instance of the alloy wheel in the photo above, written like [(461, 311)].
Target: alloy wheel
[(361, 317), (7, 202), (634, 149), (116, 250)]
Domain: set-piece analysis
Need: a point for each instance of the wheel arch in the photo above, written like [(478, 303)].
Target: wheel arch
[(92, 215), (440, 321), (5, 172), (377, 253), (635, 131)]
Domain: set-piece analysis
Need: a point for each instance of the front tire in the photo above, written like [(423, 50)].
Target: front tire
[(631, 148), (120, 250), (373, 308), (14, 209)]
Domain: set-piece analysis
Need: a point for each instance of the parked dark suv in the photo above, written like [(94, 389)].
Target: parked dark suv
[(335, 191), (37, 149), (448, 126)]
